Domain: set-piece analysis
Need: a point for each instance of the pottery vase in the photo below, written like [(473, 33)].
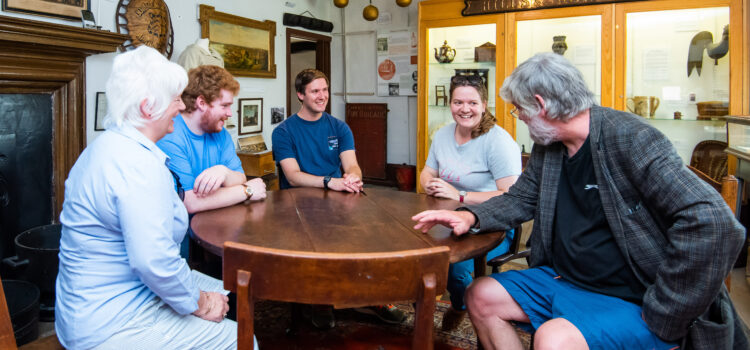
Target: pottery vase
[(559, 46)]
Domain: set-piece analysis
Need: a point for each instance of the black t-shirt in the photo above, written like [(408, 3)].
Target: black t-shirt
[(584, 250)]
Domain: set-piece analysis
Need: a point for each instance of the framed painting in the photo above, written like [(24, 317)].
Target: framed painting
[(246, 45), (250, 115), (68, 9)]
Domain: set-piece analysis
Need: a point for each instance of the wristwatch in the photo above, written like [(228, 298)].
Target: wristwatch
[(248, 191), (461, 195), (325, 181)]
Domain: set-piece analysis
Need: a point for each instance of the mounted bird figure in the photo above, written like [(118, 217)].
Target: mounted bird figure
[(705, 40)]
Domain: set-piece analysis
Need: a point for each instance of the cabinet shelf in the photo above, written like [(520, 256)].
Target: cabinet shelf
[(460, 65)]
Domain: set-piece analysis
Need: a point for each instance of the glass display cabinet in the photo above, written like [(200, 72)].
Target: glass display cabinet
[(682, 65), (466, 50), (575, 33), (738, 136)]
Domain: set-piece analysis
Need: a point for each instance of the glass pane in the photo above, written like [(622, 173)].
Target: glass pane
[(577, 38), (671, 73), (470, 50)]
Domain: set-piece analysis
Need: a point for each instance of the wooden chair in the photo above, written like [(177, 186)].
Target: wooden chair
[(512, 253), (8, 340), (731, 190), (709, 157), (341, 280)]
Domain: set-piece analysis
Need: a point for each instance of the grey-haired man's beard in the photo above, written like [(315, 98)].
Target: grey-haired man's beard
[(541, 132)]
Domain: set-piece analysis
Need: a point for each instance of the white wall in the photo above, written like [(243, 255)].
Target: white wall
[(402, 115), (184, 15)]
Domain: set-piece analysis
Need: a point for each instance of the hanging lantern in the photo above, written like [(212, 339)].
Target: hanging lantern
[(340, 3), (370, 12), (403, 3)]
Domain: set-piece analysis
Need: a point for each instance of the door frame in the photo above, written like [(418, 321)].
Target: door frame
[(322, 60)]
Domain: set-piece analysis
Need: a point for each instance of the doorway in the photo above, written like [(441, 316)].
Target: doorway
[(305, 50)]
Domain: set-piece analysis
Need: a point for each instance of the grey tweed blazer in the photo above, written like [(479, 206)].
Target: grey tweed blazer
[(676, 233)]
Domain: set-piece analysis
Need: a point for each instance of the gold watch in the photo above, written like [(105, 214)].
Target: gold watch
[(248, 191)]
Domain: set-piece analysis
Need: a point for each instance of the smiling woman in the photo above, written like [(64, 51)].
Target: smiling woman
[(470, 161)]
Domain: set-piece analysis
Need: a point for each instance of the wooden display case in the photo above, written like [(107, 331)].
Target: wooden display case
[(622, 58), (260, 165)]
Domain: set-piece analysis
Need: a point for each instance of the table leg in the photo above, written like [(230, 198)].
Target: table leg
[(296, 319), (480, 266)]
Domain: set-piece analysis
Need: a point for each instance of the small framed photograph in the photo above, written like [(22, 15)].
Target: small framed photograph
[(101, 111), (250, 115), (277, 115)]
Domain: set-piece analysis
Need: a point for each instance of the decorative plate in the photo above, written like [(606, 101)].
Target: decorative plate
[(146, 22)]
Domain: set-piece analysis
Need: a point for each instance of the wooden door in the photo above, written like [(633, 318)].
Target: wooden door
[(368, 122)]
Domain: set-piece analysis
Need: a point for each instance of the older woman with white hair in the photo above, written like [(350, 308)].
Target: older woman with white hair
[(122, 282)]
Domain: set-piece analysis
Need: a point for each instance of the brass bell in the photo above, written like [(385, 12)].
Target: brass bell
[(403, 3), (370, 13), (340, 3)]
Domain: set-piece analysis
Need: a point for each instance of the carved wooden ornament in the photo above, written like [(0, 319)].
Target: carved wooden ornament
[(146, 22)]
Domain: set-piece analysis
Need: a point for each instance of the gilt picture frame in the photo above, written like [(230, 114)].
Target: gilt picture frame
[(250, 115), (67, 9), (246, 45)]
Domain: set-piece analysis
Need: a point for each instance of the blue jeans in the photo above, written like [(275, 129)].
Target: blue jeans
[(459, 274)]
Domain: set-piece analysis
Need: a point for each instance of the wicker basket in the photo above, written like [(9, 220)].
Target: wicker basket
[(713, 108)]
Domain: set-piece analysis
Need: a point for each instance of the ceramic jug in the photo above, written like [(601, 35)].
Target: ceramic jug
[(446, 54), (645, 106), (653, 105)]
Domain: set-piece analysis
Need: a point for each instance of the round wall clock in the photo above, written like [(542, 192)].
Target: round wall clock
[(147, 22)]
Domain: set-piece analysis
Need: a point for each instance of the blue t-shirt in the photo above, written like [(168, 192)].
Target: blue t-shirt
[(190, 154), (315, 145)]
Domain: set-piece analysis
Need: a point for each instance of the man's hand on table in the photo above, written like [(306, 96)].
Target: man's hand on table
[(460, 221), (348, 183), (258, 187), (212, 306)]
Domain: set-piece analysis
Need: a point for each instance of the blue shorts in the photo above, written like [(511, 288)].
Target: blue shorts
[(606, 322)]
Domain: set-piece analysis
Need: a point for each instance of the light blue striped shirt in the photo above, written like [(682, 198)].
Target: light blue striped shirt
[(122, 224)]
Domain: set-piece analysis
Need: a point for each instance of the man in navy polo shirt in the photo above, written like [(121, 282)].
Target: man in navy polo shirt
[(311, 147)]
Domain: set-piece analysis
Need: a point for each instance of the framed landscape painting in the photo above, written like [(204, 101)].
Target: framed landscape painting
[(250, 115), (246, 45), (68, 9)]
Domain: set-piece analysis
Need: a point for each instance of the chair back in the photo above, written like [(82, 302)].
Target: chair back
[(7, 339), (709, 157), (730, 189), (342, 280)]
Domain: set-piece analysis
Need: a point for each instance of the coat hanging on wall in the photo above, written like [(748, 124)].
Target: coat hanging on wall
[(146, 22)]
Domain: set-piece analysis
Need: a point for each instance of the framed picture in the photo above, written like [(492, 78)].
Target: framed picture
[(250, 115), (246, 45), (68, 9), (277, 115), (101, 111)]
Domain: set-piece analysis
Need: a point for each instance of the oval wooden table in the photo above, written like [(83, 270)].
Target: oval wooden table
[(316, 220)]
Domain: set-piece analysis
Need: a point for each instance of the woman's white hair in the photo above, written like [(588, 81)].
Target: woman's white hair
[(138, 75)]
